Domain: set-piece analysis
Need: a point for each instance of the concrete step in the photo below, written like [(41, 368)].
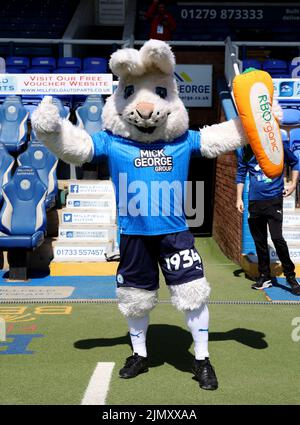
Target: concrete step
[(94, 217), (81, 251), (87, 232)]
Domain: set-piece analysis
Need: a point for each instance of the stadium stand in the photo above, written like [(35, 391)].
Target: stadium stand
[(35, 18), (22, 219), (70, 63), (95, 65), (285, 137), (13, 124), (276, 68), (89, 114), (6, 166), (43, 62), (44, 163), (38, 70), (251, 63), (291, 116), (22, 63), (295, 139)]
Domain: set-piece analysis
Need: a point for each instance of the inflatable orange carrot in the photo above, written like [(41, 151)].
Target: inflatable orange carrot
[(253, 93)]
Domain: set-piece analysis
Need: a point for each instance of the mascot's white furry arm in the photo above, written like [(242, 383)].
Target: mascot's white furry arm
[(69, 143)]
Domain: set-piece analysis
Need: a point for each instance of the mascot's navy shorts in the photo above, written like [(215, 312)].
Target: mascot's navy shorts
[(140, 256)]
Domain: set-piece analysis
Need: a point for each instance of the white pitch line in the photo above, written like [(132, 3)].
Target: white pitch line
[(95, 394), (2, 329)]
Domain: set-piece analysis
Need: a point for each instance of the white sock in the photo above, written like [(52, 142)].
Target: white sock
[(197, 321), (138, 330)]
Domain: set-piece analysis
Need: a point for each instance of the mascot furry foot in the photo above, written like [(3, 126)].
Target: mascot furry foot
[(148, 146)]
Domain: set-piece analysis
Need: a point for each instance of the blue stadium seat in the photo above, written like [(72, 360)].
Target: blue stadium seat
[(69, 70), (95, 65), (291, 116), (20, 62), (23, 215), (44, 163), (251, 63), (280, 75), (39, 70), (63, 106), (295, 139), (13, 123), (31, 102), (6, 165), (89, 114), (43, 62), (295, 143), (275, 66), (69, 62), (285, 137), (14, 70)]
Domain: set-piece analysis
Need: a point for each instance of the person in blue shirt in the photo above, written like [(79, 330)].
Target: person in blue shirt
[(265, 211)]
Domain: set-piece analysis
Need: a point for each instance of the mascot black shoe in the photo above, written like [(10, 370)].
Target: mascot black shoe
[(205, 374), (134, 365)]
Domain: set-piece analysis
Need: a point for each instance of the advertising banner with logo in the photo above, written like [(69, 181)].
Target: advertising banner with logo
[(55, 84), (287, 88), (194, 84)]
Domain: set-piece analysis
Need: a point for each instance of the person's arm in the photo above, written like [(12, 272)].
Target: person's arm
[(239, 197), (241, 174), (152, 9), (170, 23), (291, 159), (292, 186)]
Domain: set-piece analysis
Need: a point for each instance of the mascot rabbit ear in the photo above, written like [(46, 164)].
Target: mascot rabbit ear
[(126, 62), (158, 54), (154, 54)]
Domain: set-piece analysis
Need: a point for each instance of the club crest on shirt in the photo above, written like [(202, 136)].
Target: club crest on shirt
[(155, 158)]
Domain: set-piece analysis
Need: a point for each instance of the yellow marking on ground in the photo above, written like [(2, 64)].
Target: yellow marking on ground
[(83, 269)]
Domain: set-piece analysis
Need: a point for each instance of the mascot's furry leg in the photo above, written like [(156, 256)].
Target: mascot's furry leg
[(136, 305), (191, 298)]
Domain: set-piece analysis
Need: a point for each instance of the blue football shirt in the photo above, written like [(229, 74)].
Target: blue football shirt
[(262, 187), (149, 180)]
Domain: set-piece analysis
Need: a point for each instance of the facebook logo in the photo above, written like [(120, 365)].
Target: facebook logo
[(74, 188)]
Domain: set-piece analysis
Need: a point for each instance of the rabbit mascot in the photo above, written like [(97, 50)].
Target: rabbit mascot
[(147, 143)]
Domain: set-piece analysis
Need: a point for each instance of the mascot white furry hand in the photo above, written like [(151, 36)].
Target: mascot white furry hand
[(147, 141)]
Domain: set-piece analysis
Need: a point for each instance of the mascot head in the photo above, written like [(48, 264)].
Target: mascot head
[(146, 106)]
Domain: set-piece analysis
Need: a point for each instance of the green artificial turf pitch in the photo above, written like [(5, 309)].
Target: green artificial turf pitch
[(251, 348)]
